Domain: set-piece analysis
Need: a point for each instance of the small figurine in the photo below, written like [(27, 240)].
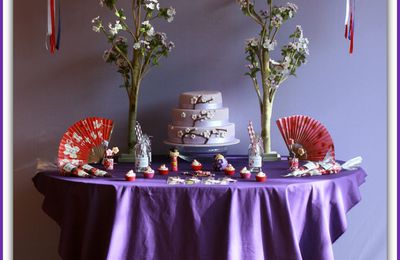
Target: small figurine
[(173, 155), (108, 160), (219, 163)]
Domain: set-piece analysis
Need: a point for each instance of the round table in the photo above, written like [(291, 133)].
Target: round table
[(283, 218)]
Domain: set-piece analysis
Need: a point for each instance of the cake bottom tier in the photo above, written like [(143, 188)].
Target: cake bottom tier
[(201, 135)]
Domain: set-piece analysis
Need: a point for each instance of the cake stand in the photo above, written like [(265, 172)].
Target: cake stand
[(203, 152)]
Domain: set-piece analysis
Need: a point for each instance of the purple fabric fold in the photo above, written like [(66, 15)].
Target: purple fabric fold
[(283, 218)]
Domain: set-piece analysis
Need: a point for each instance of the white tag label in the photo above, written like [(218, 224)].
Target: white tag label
[(255, 161), (141, 162)]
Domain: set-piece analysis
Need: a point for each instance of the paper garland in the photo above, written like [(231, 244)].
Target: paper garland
[(349, 23)]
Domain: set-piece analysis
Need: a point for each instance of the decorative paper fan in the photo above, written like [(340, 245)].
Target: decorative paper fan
[(85, 141), (306, 137)]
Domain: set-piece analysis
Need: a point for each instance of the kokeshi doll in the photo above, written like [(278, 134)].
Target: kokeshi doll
[(173, 155)]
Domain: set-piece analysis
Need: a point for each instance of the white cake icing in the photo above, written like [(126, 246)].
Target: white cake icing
[(201, 119)]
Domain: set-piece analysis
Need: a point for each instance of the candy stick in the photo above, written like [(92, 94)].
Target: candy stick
[(251, 132), (138, 131)]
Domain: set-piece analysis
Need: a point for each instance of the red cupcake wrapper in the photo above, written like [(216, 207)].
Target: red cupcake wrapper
[(197, 167), (230, 172), (163, 172), (261, 179), (245, 175), (148, 175), (130, 178)]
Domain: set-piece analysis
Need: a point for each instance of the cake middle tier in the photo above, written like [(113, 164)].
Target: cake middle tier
[(201, 135), (200, 117)]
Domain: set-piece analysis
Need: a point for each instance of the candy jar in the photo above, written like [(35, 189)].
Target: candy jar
[(142, 160), (255, 155)]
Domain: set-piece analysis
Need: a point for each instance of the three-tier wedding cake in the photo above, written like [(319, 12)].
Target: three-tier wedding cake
[(201, 120)]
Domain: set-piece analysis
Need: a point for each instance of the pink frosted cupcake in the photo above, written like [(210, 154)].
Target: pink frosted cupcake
[(130, 176), (261, 177), (229, 170), (163, 170), (196, 165), (148, 173), (245, 173)]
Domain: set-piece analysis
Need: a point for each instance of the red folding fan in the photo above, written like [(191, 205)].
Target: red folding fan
[(306, 137), (85, 141)]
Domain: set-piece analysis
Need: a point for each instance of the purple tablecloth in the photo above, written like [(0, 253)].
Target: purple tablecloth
[(283, 218)]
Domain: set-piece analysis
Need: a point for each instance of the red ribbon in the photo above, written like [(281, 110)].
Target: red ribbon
[(53, 29)]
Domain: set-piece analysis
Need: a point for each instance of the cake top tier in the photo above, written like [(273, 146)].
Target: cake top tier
[(200, 100)]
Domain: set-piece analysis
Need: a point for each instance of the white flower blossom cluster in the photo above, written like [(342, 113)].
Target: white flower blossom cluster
[(277, 20), (204, 114), (97, 25), (171, 12), (198, 99), (114, 29), (244, 3), (152, 4), (148, 29), (206, 133), (269, 45)]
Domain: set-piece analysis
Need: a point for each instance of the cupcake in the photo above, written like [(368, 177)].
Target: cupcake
[(261, 177), (196, 166), (229, 170), (245, 173), (130, 176), (163, 170), (148, 173)]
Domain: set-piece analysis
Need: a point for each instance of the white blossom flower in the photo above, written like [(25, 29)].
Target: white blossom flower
[(150, 32), (194, 116), (270, 46), (292, 6), (136, 45), (183, 114), (203, 99), (192, 136), (152, 4), (206, 134), (114, 29), (210, 115), (171, 12), (71, 150), (277, 20), (253, 41), (193, 100), (187, 130), (109, 152), (115, 150), (180, 133)]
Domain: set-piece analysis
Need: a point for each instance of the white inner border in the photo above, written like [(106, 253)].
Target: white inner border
[(392, 129), (7, 134), (7, 124)]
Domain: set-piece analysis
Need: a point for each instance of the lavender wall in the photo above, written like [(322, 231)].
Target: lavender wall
[(346, 93)]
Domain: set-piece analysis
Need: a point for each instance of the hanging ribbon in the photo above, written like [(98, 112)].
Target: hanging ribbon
[(51, 43), (349, 23)]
